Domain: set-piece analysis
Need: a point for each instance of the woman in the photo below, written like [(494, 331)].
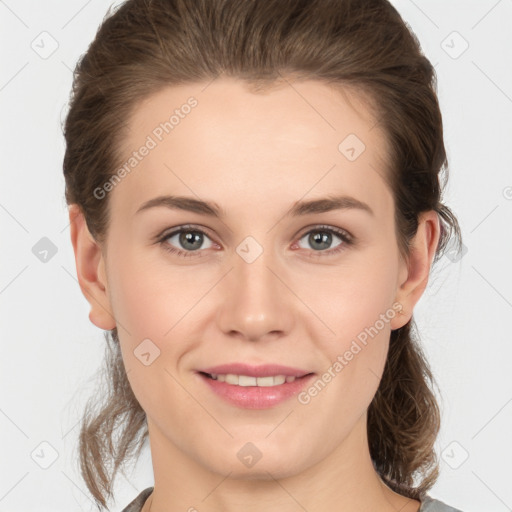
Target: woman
[(255, 205)]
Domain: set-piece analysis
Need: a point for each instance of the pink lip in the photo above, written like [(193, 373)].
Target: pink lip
[(266, 370), (256, 397)]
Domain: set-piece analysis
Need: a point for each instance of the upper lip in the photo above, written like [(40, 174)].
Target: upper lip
[(265, 370)]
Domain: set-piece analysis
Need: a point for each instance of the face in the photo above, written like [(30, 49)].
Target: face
[(268, 280)]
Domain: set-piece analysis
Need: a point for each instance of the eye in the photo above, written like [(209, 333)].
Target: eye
[(321, 238), (188, 237), (191, 239)]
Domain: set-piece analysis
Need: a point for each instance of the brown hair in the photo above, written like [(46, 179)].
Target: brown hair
[(362, 45)]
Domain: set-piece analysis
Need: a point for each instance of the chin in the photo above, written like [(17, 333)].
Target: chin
[(272, 464)]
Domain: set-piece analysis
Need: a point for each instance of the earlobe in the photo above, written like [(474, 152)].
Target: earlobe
[(90, 269), (422, 252)]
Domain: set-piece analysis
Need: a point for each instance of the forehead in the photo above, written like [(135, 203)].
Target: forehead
[(227, 142)]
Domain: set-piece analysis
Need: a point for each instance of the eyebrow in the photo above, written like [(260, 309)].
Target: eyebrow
[(299, 208)]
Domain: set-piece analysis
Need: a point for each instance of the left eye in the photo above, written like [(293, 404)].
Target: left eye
[(321, 238)]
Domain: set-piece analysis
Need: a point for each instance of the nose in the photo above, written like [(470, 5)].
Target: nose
[(257, 303)]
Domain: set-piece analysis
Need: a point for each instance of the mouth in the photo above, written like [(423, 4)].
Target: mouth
[(260, 387), (250, 380)]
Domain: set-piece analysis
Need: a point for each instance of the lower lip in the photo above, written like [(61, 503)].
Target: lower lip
[(256, 397)]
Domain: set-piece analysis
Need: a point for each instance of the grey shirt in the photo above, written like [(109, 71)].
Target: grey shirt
[(427, 505)]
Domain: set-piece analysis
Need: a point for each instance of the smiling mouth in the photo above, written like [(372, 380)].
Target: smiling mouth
[(247, 380)]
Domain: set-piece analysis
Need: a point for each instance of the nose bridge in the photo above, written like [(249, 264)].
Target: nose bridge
[(252, 268), (257, 302)]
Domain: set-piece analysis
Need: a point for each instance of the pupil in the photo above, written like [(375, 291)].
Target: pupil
[(188, 238), (323, 238)]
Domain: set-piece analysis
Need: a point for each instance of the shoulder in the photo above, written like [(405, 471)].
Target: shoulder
[(137, 504), (429, 504)]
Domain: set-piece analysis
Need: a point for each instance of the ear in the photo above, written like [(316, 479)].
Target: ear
[(90, 269), (415, 272)]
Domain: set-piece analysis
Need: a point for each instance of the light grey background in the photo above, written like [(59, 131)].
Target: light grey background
[(50, 350)]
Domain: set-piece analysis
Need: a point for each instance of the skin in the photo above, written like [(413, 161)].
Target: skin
[(255, 155)]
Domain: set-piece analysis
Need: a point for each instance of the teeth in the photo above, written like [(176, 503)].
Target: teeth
[(246, 380), (264, 381), (231, 379), (243, 380)]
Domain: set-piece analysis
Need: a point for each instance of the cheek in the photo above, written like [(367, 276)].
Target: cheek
[(352, 297), (148, 312), (154, 309), (148, 300), (356, 304), (356, 359)]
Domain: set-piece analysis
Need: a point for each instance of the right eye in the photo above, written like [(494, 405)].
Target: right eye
[(188, 237)]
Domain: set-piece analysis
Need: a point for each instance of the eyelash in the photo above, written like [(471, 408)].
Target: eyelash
[(346, 238)]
